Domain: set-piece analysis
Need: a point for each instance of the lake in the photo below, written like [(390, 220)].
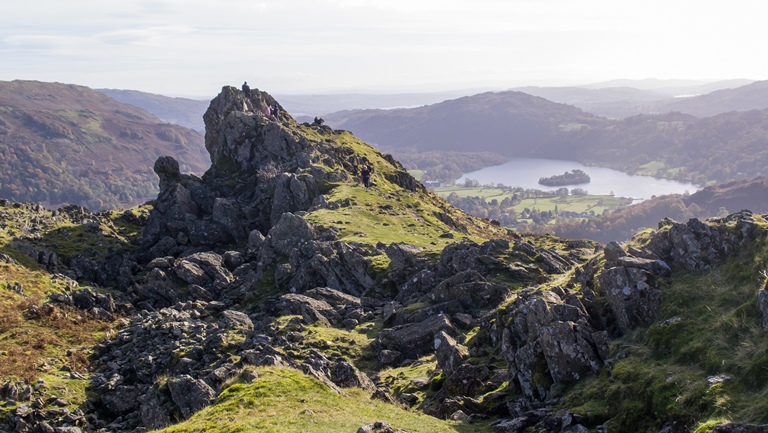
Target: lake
[(525, 173)]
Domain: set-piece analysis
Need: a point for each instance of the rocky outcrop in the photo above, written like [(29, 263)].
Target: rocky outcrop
[(696, 245), (632, 282), (550, 333)]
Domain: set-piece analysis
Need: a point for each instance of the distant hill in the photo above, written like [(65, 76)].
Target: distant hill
[(63, 143), (673, 87), (319, 105), (752, 96), (624, 98), (623, 223), (722, 148), (179, 111), (732, 197), (509, 123), (611, 102)]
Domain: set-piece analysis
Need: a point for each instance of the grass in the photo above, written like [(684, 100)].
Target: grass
[(585, 203), (354, 345), (284, 400), (400, 379), (374, 217)]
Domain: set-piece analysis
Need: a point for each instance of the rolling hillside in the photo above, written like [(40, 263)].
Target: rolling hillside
[(62, 143)]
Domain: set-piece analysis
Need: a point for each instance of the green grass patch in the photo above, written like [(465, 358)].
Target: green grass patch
[(417, 174), (284, 400), (374, 218), (583, 203)]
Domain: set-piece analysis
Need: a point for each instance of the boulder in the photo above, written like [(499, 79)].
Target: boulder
[(152, 411), (633, 294), (449, 354), (552, 334), (121, 400), (311, 310), (289, 232), (470, 289), (190, 394), (231, 319), (416, 339), (740, 428)]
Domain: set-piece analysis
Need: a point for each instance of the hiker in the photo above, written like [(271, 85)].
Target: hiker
[(246, 89), (355, 160), (316, 122), (276, 110), (365, 173), (268, 111)]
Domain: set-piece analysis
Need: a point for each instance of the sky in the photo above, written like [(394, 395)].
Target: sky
[(194, 47)]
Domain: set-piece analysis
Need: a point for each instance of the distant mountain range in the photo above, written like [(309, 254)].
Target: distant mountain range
[(68, 144), (728, 146), (179, 111)]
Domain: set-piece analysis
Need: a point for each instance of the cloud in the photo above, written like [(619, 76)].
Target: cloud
[(143, 36)]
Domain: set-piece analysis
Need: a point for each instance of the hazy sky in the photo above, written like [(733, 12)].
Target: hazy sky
[(193, 47)]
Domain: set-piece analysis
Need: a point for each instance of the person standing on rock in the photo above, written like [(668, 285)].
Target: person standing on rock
[(246, 89), (365, 173), (276, 110)]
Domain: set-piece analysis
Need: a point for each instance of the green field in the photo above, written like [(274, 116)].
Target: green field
[(571, 203)]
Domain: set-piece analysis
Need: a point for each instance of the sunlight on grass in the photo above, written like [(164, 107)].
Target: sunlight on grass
[(283, 400)]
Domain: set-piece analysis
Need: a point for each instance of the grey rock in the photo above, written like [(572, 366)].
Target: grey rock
[(416, 339), (449, 354), (633, 295), (228, 215), (311, 310), (389, 358), (191, 273), (740, 428), (152, 413), (190, 394), (289, 232), (121, 400)]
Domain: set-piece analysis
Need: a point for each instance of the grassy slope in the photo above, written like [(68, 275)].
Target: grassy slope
[(49, 345), (387, 213), (286, 400)]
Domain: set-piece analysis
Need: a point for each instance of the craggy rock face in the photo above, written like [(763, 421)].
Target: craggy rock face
[(261, 168)]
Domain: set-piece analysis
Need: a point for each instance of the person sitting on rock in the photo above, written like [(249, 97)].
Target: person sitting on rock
[(246, 89)]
